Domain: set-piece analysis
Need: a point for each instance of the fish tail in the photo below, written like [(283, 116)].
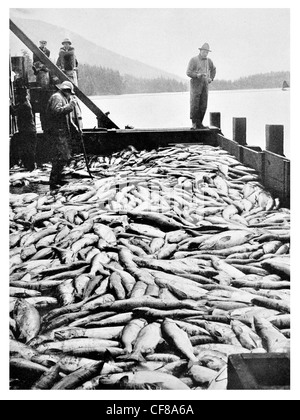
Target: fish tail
[(128, 349), (193, 362), (136, 356), (108, 357)]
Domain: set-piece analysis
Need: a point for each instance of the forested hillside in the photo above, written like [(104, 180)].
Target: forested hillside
[(256, 81), (95, 80)]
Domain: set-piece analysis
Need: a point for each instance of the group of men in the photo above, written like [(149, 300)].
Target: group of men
[(63, 116), (66, 61)]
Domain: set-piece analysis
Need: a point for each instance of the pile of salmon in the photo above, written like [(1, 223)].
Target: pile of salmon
[(148, 276)]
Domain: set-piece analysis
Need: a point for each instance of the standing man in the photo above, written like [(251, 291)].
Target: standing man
[(26, 136), (67, 61), (202, 72), (43, 80), (40, 70), (61, 128), (43, 48)]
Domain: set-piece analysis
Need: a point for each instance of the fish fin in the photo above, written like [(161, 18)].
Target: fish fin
[(138, 357), (108, 357), (124, 381), (58, 336), (56, 248)]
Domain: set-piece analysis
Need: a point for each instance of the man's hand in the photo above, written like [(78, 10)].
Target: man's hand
[(73, 101), (209, 80)]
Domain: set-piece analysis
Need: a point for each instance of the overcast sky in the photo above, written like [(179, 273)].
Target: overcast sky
[(243, 41)]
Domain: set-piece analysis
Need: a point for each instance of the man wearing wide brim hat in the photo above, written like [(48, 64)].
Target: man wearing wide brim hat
[(67, 60), (61, 128), (66, 41), (66, 85), (202, 72)]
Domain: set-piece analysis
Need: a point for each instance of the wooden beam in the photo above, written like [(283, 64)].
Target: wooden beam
[(275, 139), (239, 126), (103, 120)]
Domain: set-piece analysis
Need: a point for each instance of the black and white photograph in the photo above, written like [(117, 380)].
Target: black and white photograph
[(149, 204)]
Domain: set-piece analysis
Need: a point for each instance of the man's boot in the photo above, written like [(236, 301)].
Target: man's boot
[(199, 124)]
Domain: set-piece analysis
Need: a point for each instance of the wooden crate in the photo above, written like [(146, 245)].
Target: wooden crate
[(266, 371)]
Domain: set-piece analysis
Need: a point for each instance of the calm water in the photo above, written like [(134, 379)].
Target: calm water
[(169, 110)]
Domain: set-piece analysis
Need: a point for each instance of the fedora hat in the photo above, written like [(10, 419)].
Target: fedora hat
[(205, 46), (66, 86), (66, 40)]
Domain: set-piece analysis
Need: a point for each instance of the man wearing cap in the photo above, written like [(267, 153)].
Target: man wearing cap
[(43, 48), (43, 79), (67, 61), (61, 128), (202, 72), (40, 70)]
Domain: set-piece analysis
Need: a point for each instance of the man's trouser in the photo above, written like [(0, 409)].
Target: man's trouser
[(27, 149), (60, 154), (198, 101)]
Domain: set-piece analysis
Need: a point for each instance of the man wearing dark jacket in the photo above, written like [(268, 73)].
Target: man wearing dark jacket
[(26, 137), (202, 72), (40, 70), (67, 60), (61, 127), (43, 48)]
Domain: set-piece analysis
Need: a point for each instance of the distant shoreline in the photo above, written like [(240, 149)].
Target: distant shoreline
[(184, 92)]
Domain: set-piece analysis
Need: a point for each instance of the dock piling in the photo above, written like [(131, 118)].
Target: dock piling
[(215, 119), (274, 139), (239, 126)]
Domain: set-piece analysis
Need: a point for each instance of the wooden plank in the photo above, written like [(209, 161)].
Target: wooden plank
[(259, 371), (239, 374), (277, 176), (102, 117), (275, 139), (239, 128), (274, 166), (253, 159), (183, 130), (231, 147)]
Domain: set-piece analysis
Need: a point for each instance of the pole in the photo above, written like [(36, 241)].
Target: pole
[(239, 130), (82, 144), (215, 119), (275, 139)]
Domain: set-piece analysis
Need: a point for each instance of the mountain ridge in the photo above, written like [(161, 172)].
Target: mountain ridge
[(86, 51)]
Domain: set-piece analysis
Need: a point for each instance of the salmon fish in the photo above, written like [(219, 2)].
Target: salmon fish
[(146, 342), (273, 340), (246, 336), (27, 319), (179, 339), (131, 332)]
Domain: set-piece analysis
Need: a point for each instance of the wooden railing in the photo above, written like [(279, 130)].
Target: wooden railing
[(271, 164)]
